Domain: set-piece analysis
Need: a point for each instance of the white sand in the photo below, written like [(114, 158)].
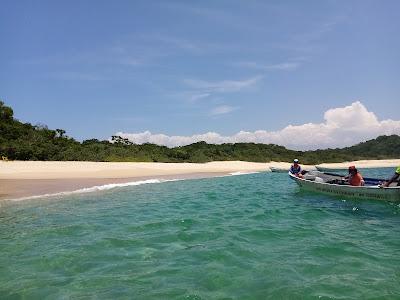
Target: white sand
[(79, 169), (30, 178), (75, 169)]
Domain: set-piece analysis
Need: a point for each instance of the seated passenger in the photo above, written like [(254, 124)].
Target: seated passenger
[(354, 178), (394, 178), (295, 169)]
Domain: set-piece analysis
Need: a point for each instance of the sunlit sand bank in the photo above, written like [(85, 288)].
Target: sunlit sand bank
[(363, 164), (20, 179), (78, 169)]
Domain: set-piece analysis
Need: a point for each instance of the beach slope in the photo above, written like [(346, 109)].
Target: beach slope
[(20, 179)]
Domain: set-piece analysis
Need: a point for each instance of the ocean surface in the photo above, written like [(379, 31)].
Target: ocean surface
[(254, 236)]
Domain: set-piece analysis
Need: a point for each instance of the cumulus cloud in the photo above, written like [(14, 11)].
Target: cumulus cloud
[(343, 126)]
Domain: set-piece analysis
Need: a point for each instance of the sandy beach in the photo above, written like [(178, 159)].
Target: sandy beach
[(387, 163), (20, 179), (78, 169)]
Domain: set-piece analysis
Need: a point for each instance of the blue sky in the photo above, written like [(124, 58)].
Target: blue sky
[(182, 68)]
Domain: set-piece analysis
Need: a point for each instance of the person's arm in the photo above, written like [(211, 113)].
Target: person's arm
[(300, 173), (395, 176)]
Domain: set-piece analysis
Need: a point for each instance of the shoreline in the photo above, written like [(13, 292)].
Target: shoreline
[(373, 163), (27, 179), (115, 170), (23, 179), (23, 189)]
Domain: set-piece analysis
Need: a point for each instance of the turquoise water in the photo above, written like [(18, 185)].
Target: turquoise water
[(241, 237)]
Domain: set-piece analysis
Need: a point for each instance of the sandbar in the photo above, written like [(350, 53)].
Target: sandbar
[(387, 163), (20, 179)]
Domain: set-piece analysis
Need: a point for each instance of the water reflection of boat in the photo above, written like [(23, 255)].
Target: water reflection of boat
[(333, 184)]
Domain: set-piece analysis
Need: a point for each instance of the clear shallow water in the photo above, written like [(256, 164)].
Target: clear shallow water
[(241, 237)]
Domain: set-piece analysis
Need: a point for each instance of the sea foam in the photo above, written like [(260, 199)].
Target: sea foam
[(105, 187), (97, 188), (241, 173)]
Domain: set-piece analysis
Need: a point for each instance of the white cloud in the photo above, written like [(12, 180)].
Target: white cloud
[(195, 97), (343, 126), (286, 66), (223, 109), (224, 86), (178, 43)]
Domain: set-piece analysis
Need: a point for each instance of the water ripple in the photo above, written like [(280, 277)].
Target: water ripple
[(241, 237)]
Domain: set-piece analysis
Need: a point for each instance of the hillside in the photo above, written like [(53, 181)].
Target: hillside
[(24, 141)]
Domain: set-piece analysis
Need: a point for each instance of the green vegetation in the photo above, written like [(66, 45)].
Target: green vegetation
[(23, 141)]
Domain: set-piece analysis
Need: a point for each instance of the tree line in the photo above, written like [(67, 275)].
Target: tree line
[(24, 141)]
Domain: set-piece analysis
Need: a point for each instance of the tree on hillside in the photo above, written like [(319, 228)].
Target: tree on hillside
[(120, 140), (60, 133), (6, 112)]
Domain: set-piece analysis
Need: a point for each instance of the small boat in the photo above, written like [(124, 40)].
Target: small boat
[(333, 184)]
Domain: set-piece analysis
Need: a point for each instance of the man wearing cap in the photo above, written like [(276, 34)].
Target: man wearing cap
[(295, 169), (354, 178), (394, 178)]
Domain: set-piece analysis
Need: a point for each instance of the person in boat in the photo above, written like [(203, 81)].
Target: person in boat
[(354, 178), (393, 179), (295, 169)]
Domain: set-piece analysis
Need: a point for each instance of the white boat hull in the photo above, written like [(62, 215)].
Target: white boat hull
[(356, 192)]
